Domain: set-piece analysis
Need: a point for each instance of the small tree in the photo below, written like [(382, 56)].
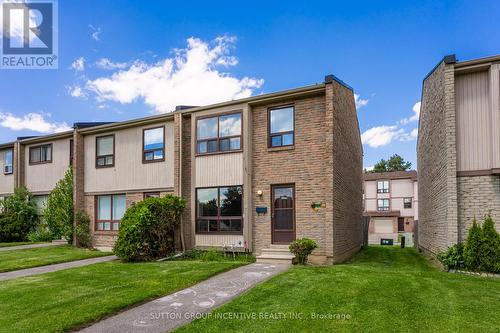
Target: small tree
[(394, 163), (302, 248), (472, 249), (18, 216), (489, 258), (82, 230), (58, 212)]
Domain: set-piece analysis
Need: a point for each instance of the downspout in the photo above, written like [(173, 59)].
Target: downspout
[(183, 245)]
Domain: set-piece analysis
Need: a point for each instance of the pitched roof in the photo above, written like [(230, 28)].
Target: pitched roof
[(411, 174)]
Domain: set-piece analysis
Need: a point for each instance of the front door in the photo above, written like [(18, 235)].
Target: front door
[(283, 214)]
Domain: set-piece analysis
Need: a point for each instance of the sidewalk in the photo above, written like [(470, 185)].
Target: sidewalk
[(53, 268), (29, 246), (169, 312)]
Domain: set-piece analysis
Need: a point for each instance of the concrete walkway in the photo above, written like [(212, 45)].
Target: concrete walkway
[(29, 246), (169, 312), (53, 268)]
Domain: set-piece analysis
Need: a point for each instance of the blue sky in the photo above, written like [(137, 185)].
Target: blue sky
[(125, 59)]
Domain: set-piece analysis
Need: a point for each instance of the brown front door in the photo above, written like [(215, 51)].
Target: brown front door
[(283, 214)]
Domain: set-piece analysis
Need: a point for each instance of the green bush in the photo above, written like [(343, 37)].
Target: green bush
[(453, 257), (18, 216), (472, 249), (147, 229), (40, 234), (58, 212), (82, 230), (302, 248), (215, 255), (489, 258)]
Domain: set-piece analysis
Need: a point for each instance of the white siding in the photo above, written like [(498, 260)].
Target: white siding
[(219, 240), (219, 170), (6, 181), (43, 177), (129, 172)]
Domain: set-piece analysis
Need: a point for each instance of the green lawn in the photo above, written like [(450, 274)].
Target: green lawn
[(67, 299), (383, 290), (42, 256), (16, 244)]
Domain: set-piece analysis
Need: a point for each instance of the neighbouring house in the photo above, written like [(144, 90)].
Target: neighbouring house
[(390, 205), (256, 173), (458, 150), (7, 182)]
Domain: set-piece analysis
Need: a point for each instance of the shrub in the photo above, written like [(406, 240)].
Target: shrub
[(40, 234), (489, 258), (18, 216), (58, 212), (147, 229), (473, 247), (452, 257), (302, 248), (82, 230)]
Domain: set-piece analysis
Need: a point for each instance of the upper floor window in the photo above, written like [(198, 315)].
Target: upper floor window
[(383, 205), (383, 186), (7, 161), (110, 210), (281, 127), (41, 154), (218, 134), (219, 209), (407, 202), (153, 149), (105, 151)]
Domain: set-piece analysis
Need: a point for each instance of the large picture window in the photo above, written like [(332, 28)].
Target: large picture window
[(153, 149), (105, 151), (41, 154), (383, 205), (219, 210), (110, 210), (383, 186), (281, 127), (7, 161), (218, 134)]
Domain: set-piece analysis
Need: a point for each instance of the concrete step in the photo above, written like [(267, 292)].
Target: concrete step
[(276, 251), (278, 246), (276, 254)]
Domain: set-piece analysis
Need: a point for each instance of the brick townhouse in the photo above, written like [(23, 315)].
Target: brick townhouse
[(390, 203), (256, 173), (458, 150)]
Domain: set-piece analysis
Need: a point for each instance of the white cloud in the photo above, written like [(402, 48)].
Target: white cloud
[(17, 26), (105, 63), (190, 77), (359, 101), (416, 114), (33, 122), (79, 64), (381, 135), (369, 168), (76, 91), (414, 133), (96, 32)]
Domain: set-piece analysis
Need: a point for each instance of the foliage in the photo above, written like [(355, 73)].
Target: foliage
[(394, 163), (489, 259), (472, 249), (302, 248), (41, 233), (83, 237), (214, 255), (147, 229), (58, 212), (453, 257), (18, 216)]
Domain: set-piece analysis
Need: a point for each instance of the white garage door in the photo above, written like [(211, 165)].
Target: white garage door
[(383, 226)]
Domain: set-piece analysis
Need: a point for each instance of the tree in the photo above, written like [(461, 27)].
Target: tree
[(18, 216), (394, 163), (489, 258), (472, 249), (58, 212)]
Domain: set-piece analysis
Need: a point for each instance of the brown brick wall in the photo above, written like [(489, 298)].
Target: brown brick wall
[(344, 171), (436, 153), (187, 217)]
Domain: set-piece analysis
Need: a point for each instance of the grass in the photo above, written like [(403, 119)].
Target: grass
[(16, 244), (72, 298), (382, 290), (27, 258)]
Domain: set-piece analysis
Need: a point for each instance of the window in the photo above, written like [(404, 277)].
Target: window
[(71, 152), (105, 151), (153, 147), (407, 202), (40, 202), (383, 205), (110, 210), (383, 186), (41, 154), (281, 127), (151, 195), (7, 161), (218, 134), (219, 210)]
